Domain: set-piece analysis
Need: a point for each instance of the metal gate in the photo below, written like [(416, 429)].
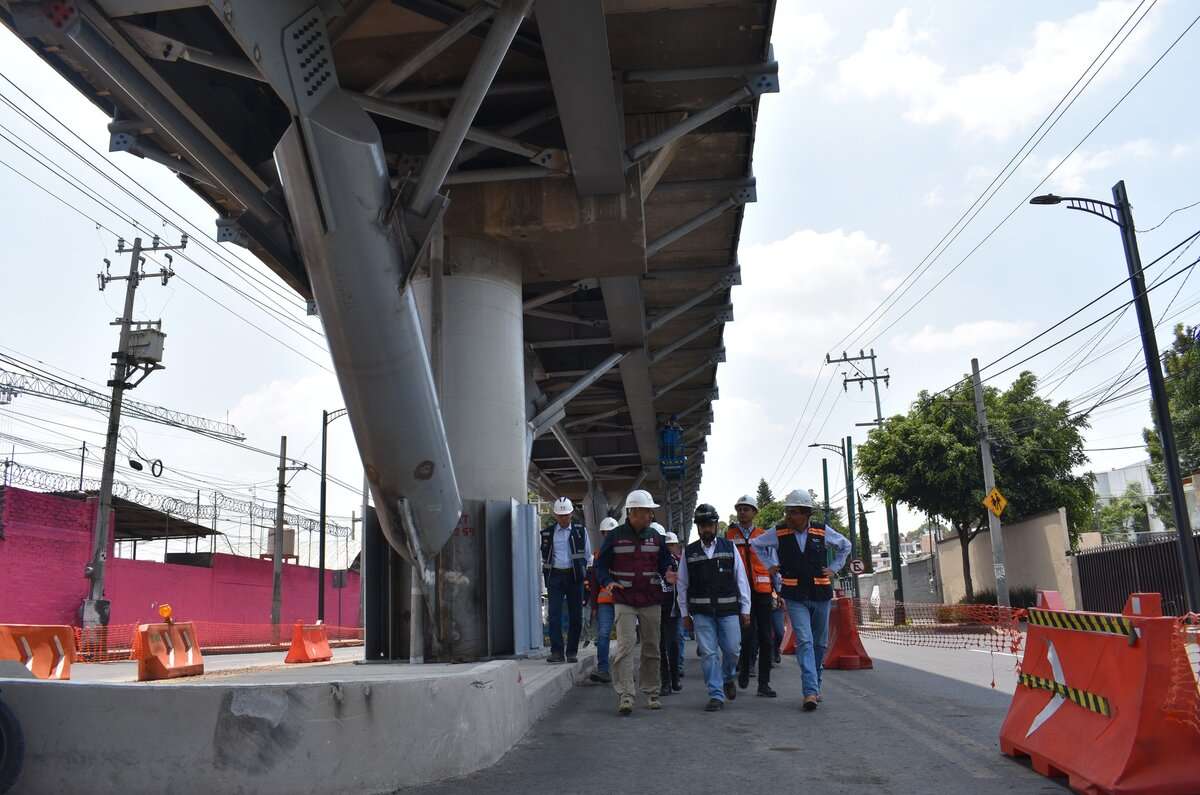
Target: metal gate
[(1107, 575)]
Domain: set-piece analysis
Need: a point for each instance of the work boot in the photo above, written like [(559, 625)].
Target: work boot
[(714, 705), (554, 659), (653, 701), (601, 677), (730, 690), (818, 698), (665, 690), (810, 703), (675, 685), (625, 707), (744, 679), (571, 658), (778, 658), (766, 692)]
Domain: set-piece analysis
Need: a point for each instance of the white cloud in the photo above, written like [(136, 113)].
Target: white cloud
[(963, 336), (801, 42), (836, 273), (1182, 150), (934, 197), (993, 99), (1076, 173)]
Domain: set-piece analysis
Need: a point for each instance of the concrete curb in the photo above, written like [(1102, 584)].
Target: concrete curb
[(343, 735)]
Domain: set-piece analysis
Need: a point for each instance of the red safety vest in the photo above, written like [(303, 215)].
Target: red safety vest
[(635, 567)]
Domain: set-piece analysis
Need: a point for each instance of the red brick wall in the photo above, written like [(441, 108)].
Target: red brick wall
[(46, 545)]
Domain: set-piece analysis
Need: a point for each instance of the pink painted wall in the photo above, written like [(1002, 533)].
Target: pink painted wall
[(46, 544)]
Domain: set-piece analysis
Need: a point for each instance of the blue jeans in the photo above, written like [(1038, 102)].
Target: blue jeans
[(718, 635), (810, 622), (682, 637), (560, 587), (604, 624)]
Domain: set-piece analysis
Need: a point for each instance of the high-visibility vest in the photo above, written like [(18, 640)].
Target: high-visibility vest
[(604, 595), (802, 572), (756, 570), (635, 566), (712, 582)]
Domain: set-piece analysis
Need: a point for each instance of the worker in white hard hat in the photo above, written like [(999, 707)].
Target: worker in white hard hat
[(602, 611), (634, 561), (566, 556), (757, 638), (798, 550), (668, 646)]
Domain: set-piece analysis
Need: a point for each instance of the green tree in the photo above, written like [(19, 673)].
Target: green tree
[(770, 514), (1181, 371), (1116, 517), (764, 493), (929, 458)]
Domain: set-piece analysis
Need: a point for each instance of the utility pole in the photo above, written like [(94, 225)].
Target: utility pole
[(277, 545), (890, 509), (989, 483), (326, 418), (848, 446), (865, 532), (139, 352), (825, 479), (82, 459)]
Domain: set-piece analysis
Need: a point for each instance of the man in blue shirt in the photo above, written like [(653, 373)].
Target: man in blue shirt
[(566, 557), (798, 553)]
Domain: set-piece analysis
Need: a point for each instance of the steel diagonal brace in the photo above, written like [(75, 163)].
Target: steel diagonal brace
[(555, 411), (755, 86), (739, 197), (724, 316), (727, 281)]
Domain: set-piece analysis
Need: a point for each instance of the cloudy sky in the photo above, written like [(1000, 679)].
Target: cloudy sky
[(893, 120)]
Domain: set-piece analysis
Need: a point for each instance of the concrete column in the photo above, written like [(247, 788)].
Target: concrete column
[(482, 373), (472, 320)]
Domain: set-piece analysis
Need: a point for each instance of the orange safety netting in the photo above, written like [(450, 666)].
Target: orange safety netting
[(1183, 694), (115, 642), (985, 627)]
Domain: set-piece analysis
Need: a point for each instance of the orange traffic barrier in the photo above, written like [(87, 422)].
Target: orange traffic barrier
[(47, 651), (167, 651), (845, 647), (309, 644), (1090, 702)]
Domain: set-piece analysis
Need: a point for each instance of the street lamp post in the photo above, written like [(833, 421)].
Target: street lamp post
[(847, 454), (326, 418), (1120, 213)]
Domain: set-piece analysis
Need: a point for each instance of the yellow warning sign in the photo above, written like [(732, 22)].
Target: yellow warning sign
[(995, 502)]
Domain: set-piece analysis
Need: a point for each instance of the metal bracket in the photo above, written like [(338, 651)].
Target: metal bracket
[(310, 308), (230, 231), (407, 227)]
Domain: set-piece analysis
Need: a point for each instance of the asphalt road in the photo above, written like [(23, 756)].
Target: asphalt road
[(923, 721)]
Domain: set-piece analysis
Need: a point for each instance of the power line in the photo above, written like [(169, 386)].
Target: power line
[(1043, 181), (1168, 217), (1001, 177)]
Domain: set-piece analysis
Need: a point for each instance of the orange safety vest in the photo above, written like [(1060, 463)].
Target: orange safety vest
[(756, 570), (604, 595)]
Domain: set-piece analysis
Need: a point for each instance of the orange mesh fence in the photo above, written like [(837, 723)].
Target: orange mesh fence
[(115, 642), (985, 627), (1183, 694)]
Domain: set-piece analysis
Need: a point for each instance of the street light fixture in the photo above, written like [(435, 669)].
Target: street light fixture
[(1119, 212), (326, 418), (846, 451)]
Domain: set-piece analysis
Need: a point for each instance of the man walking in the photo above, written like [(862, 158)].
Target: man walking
[(602, 612), (713, 592), (759, 635), (668, 645), (634, 561), (799, 553), (566, 555)]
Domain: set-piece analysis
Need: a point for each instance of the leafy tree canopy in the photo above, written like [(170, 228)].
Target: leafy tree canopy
[(1181, 371)]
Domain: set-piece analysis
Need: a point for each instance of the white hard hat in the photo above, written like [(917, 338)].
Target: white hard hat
[(798, 498), (747, 499), (563, 506), (672, 538), (656, 527), (640, 498), (608, 525)]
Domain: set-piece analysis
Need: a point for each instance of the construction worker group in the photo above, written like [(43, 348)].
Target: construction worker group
[(727, 590)]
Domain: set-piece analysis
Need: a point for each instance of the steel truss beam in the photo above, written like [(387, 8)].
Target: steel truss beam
[(554, 412), (754, 87), (562, 292), (586, 342), (735, 199), (690, 374), (586, 467), (565, 318), (725, 282), (469, 20), (724, 316)]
